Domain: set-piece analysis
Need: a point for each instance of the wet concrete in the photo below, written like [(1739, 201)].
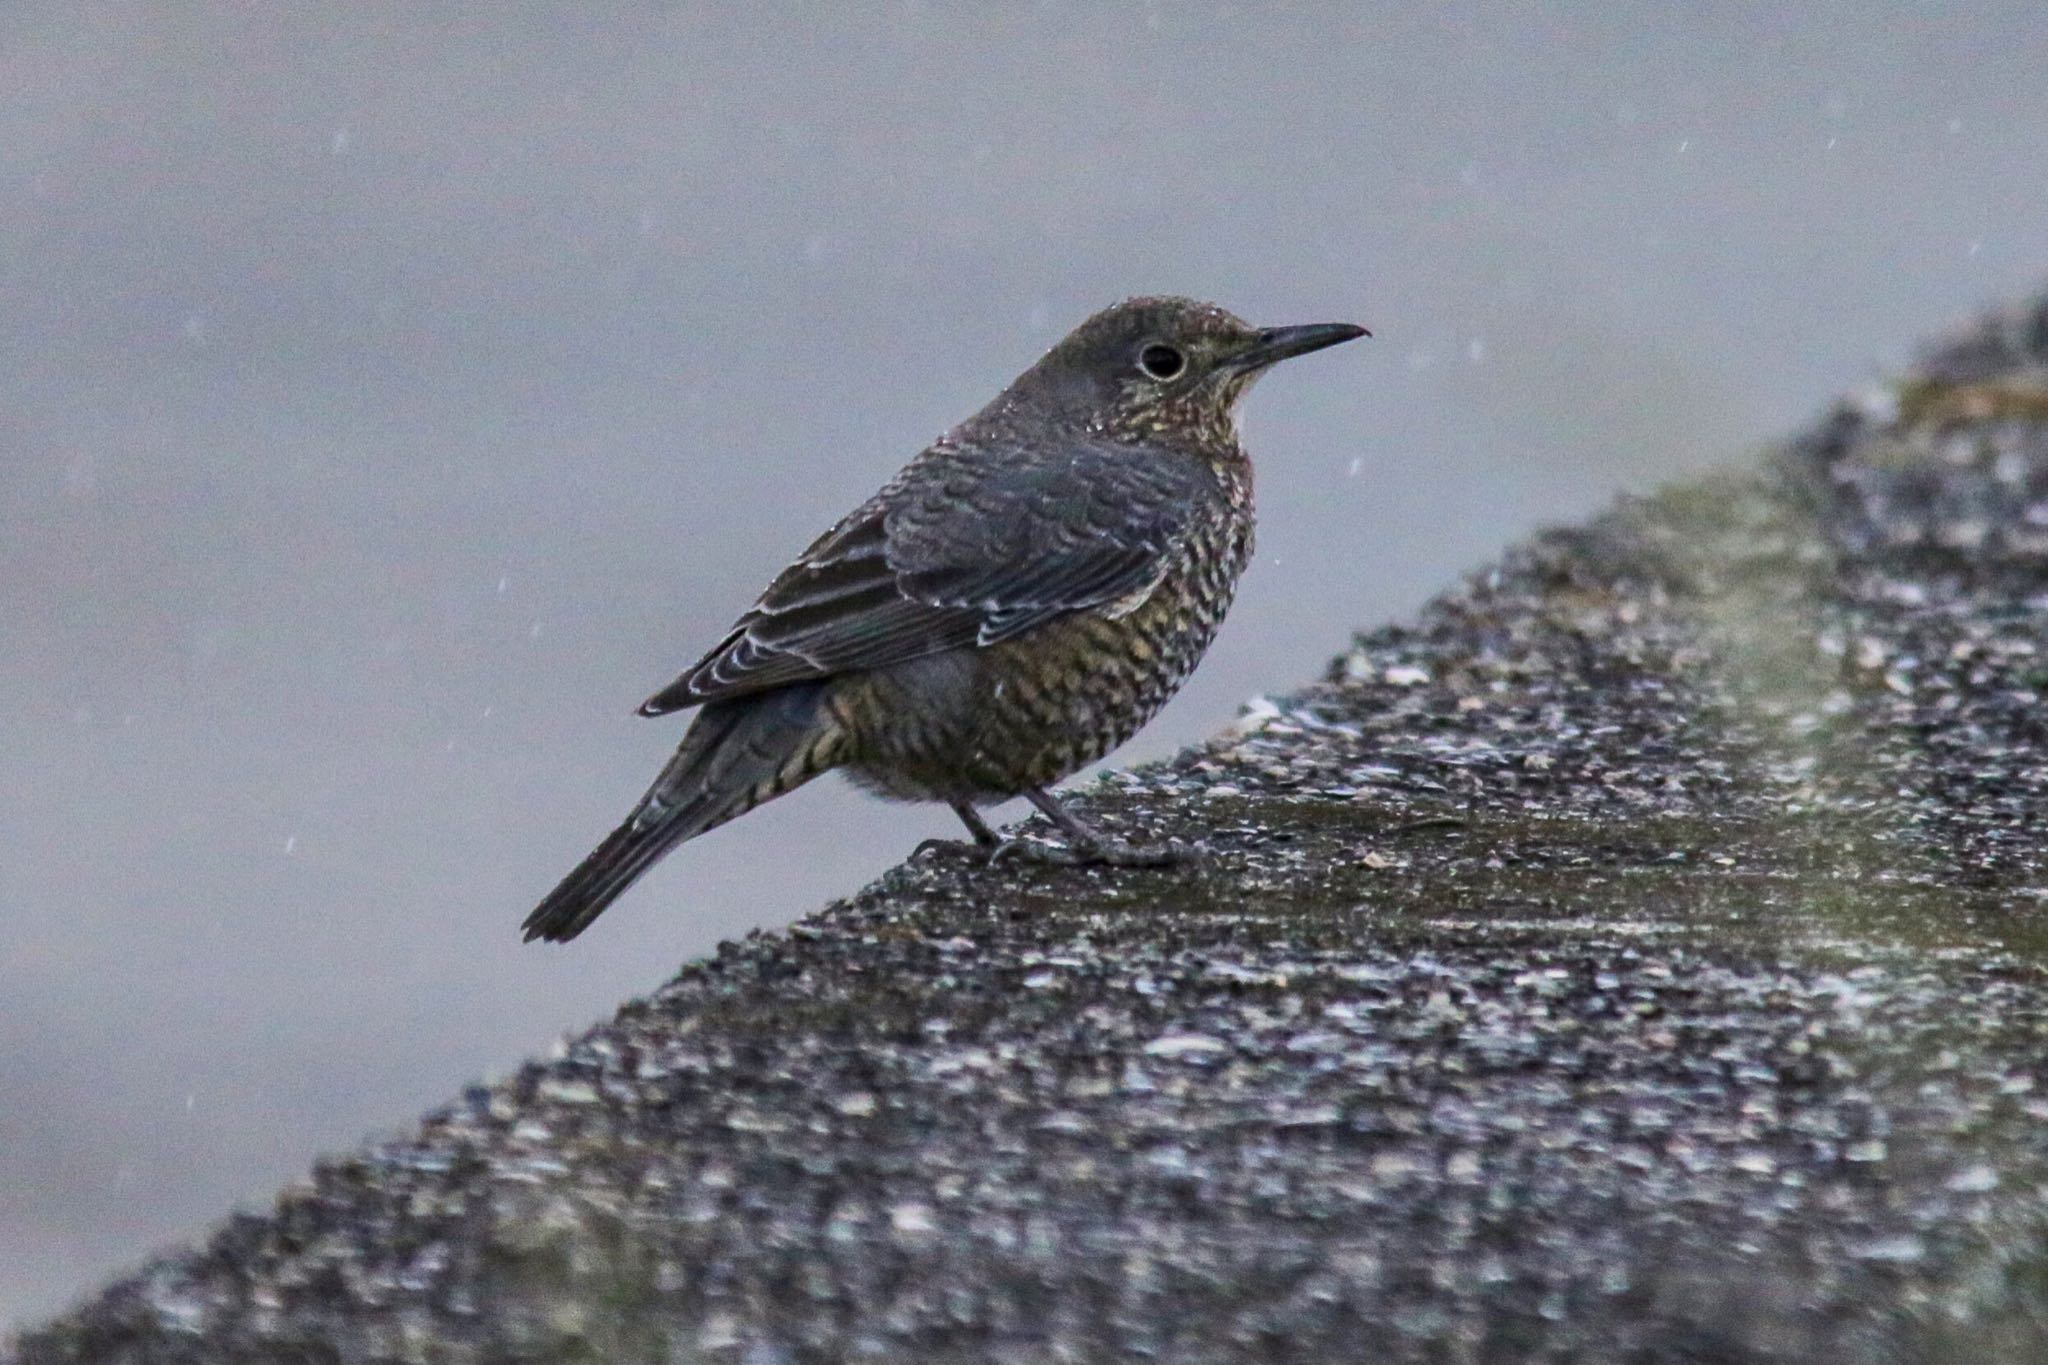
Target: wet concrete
[(1638, 958)]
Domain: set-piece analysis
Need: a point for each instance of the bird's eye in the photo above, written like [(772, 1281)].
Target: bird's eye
[(1161, 361)]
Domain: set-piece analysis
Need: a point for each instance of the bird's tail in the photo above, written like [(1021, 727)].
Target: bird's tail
[(736, 755)]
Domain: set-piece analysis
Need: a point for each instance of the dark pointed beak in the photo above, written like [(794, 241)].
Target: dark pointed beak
[(1281, 343)]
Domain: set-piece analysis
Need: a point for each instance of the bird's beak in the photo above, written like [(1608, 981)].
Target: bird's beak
[(1275, 344)]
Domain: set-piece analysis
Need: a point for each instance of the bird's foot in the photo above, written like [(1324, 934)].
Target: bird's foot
[(1099, 852), (974, 850)]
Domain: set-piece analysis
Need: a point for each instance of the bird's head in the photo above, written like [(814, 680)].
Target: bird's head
[(1151, 368)]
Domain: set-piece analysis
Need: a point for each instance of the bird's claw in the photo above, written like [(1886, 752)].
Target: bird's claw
[(972, 849), (1029, 850)]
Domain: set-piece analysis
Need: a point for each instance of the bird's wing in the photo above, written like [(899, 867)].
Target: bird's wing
[(967, 547)]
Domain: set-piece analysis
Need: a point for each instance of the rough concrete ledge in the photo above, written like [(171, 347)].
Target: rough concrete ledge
[(1639, 958)]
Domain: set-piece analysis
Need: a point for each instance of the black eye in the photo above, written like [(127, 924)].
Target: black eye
[(1161, 361)]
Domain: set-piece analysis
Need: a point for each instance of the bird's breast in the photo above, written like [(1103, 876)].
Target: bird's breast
[(993, 722), (1065, 696)]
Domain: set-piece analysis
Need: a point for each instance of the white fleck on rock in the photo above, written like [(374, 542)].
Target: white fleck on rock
[(720, 1332), (1185, 1046), (559, 1091), (912, 1219), (1255, 716), (1901, 1249), (1974, 1180)]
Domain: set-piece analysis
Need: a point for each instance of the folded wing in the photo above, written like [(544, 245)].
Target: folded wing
[(967, 547)]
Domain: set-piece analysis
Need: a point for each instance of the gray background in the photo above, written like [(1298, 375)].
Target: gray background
[(392, 396)]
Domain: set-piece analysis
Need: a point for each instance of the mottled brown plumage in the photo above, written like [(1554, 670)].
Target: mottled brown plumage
[(1014, 604)]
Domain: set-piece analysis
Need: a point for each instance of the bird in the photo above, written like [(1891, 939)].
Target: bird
[(1015, 603)]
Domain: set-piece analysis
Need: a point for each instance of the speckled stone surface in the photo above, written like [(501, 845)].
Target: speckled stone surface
[(1642, 957)]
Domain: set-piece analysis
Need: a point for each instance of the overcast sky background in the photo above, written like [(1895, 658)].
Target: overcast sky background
[(391, 396)]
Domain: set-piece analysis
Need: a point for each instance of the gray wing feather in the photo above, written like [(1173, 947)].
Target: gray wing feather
[(965, 548)]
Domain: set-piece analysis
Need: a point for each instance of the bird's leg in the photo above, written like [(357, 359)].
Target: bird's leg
[(1086, 844), (985, 841), (984, 837)]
